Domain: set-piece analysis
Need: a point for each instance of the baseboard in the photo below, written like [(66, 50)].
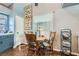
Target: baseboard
[(57, 50), (19, 44), (16, 45), (73, 53)]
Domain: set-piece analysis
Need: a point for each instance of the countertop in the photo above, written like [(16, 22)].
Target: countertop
[(6, 34)]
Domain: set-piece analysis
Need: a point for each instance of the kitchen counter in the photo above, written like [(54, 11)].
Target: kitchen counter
[(6, 34)]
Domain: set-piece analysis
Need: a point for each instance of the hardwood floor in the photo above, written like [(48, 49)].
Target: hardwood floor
[(21, 50)]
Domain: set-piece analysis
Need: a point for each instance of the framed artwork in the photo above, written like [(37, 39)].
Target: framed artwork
[(28, 18)]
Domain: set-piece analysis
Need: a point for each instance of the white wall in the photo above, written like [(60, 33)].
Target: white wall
[(11, 22), (65, 20)]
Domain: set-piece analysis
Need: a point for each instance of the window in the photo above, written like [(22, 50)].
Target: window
[(43, 23), (4, 23)]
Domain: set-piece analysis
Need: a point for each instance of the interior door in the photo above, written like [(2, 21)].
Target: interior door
[(19, 30)]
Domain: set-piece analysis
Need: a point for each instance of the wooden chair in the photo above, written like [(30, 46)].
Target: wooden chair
[(49, 49), (32, 43)]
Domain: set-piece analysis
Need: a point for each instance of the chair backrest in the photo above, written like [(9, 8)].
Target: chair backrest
[(30, 37), (52, 37)]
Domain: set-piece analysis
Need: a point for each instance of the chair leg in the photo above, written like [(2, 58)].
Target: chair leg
[(46, 52), (35, 52)]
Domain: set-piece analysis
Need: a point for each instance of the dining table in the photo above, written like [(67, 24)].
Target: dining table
[(41, 40)]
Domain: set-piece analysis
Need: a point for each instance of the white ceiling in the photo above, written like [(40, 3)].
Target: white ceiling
[(73, 10), (43, 8), (18, 7), (8, 5)]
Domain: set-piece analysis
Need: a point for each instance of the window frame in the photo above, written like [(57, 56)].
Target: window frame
[(6, 22)]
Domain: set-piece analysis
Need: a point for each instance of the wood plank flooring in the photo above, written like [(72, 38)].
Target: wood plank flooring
[(22, 50)]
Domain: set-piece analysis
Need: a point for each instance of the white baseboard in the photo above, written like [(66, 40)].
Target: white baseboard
[(19, 44), (74, 53), (16, 45)]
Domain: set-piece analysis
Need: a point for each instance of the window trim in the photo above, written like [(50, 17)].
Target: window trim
[(6, 22)]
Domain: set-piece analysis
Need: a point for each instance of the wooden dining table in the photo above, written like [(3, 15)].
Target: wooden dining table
[(40, 40)]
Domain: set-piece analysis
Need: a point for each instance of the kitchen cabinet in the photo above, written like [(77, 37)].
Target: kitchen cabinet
[(6, 41)]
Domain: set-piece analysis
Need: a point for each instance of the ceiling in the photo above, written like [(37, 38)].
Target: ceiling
[(18, 7), (64, 5), (44, 8), (73, 10), (8, 5)]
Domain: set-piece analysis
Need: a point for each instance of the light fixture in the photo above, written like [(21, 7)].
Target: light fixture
[(36, 4)]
